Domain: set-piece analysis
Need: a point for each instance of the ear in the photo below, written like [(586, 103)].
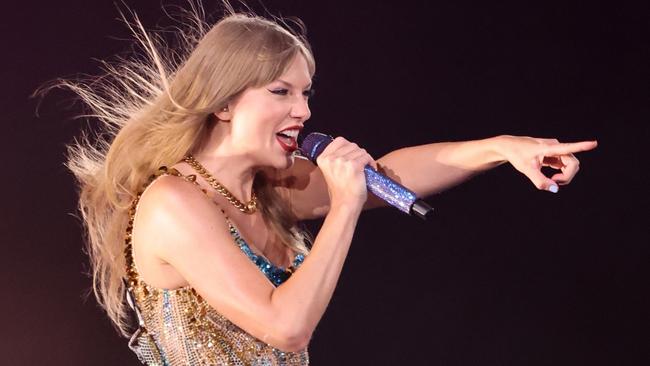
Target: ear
[(224, 114)]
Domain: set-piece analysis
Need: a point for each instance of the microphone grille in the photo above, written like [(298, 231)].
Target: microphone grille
[(314, 144)]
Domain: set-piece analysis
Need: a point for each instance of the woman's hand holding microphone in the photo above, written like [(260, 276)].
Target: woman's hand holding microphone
[(342, 163)]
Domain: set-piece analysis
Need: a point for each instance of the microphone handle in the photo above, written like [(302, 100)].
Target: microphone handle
[(396, 194), (378, 184)]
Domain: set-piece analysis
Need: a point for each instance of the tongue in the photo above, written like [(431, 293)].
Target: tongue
[(286, 139)]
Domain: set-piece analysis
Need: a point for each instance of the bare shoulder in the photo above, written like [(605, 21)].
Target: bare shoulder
[(169, 191), (173, 217), (174, 204)]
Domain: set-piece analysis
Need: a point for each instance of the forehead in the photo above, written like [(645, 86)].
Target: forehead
[(297, 73)]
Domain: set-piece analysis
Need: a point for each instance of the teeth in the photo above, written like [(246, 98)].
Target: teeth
[(290, 133)]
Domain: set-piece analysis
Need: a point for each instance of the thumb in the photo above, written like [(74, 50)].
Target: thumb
[(541, 181)]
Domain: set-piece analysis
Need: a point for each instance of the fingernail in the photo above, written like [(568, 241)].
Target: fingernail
[(553, 188)]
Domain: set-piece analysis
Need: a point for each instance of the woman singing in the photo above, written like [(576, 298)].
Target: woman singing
[(193, 195)]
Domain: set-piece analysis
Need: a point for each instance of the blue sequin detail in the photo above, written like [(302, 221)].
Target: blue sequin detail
[(277, 275)]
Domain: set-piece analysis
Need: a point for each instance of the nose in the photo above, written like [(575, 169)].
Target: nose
[(300, 109)]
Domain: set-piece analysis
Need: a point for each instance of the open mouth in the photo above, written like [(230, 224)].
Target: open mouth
[(288, 139)]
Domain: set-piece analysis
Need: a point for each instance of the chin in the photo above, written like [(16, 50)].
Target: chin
[(281, 163), (288, 162)]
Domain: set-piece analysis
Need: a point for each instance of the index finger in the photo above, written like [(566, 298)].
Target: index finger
[(570, 147), (333, 145)]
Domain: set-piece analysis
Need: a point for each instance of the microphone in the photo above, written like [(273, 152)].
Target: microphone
[(380, 185)]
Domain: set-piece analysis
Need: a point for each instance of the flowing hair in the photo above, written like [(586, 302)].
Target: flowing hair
[(154, 108)]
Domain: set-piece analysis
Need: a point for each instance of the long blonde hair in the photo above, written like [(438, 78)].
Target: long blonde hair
[(154, 109)]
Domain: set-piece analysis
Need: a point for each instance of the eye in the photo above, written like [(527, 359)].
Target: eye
[(279, 91), (309, 93)]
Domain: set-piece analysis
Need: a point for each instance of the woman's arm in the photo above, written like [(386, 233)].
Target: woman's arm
[(178, 225), (432, 168)]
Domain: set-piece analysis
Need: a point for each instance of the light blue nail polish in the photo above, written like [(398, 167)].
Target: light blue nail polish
[(553, 188)]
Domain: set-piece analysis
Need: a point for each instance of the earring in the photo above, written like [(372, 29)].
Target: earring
[(224, 109)]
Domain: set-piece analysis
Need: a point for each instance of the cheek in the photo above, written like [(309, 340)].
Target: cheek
[(254, 128), (259, 118), (268, 117), (262, 108)]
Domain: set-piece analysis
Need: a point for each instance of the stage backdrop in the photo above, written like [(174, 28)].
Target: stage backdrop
[(502, 274)]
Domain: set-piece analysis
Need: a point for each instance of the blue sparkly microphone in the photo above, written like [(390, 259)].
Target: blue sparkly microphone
[(380, 185)]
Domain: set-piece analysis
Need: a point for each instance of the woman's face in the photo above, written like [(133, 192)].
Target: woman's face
[(265, 121)]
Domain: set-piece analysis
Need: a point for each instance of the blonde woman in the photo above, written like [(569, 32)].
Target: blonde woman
[(192, 196)]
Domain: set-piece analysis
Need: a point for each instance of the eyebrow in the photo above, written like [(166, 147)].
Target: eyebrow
[(291, 85)]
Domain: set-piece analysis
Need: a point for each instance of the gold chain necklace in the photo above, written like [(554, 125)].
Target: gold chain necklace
[(247, 208)]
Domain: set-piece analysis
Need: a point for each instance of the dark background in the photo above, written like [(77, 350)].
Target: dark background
[(502, 275)]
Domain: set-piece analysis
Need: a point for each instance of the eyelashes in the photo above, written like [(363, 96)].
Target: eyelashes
[(279, 91), (309, 93)]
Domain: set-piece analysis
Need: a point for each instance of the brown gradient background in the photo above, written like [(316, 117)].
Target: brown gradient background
[(502, 275)]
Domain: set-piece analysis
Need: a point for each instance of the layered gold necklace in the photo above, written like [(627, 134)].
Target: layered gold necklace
[(247, 208)]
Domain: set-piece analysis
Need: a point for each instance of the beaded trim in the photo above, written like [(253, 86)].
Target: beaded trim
[(131, 272)]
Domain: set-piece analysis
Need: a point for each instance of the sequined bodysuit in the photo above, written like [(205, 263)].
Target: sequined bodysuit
[(178, 327)]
